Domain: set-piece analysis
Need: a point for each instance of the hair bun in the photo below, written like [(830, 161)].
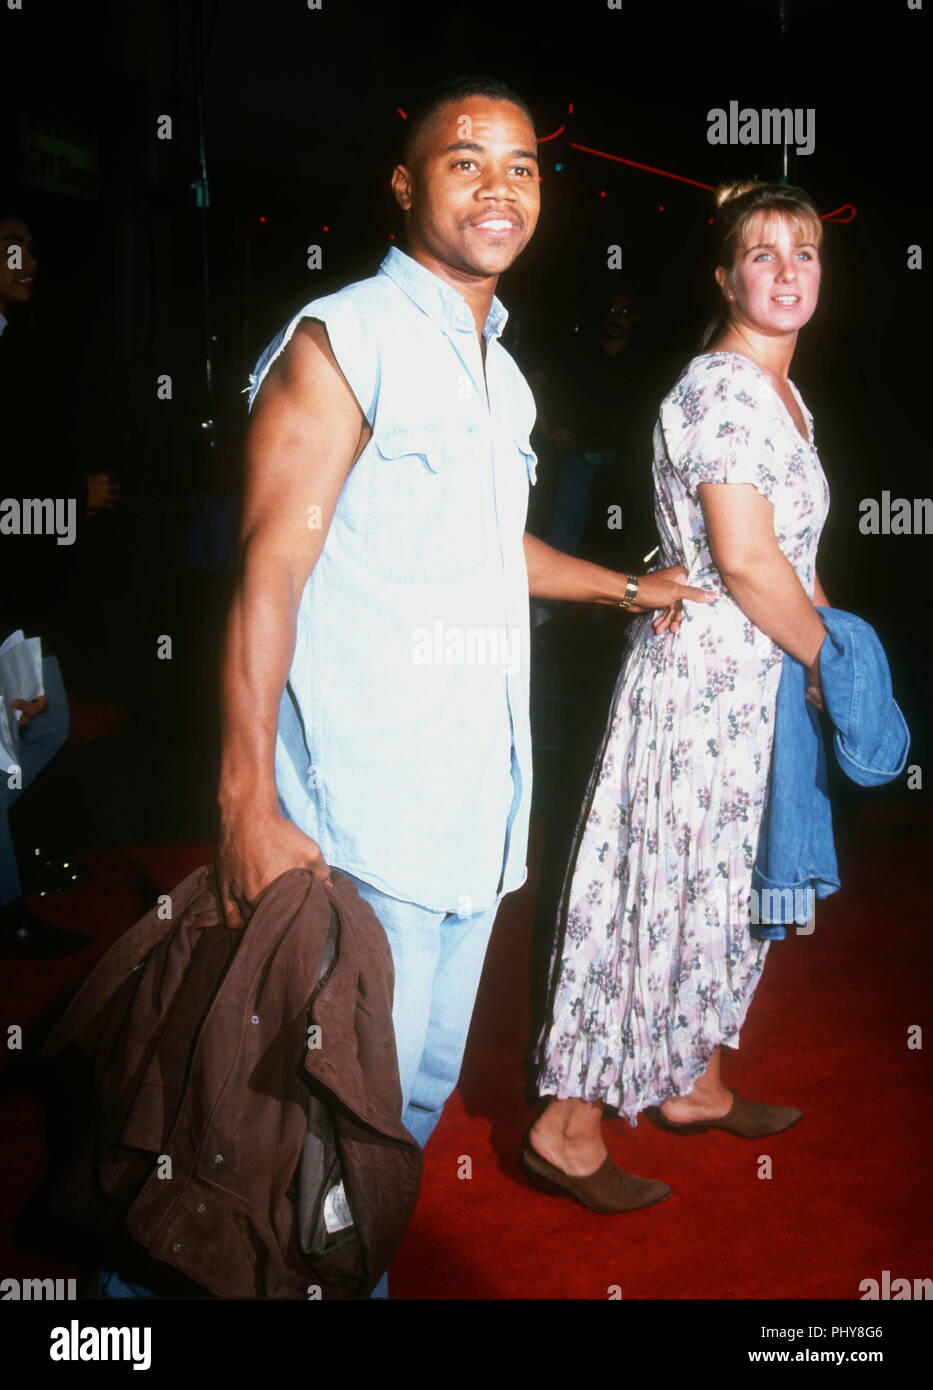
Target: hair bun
[(727, 191)]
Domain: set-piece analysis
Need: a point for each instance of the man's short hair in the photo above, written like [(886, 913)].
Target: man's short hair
[(454, 89)]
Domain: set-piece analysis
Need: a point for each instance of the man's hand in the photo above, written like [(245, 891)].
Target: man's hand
[(30, 708), (669, 619), (252, 852), (552, 574), (665, 589)]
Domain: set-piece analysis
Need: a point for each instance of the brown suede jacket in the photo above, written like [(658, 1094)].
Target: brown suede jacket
[(238, 1079)]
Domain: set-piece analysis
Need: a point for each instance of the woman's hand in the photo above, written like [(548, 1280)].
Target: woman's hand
[(815, 686)]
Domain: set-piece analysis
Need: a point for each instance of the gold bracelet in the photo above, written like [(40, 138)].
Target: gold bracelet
[(631, 589)]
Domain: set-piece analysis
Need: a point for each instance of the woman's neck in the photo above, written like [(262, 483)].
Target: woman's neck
[(772, 354)]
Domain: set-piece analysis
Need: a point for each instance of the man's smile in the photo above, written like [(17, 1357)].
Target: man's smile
[(497, 226)]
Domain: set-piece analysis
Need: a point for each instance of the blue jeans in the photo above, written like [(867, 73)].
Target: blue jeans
[(38, 744), (438, 959)]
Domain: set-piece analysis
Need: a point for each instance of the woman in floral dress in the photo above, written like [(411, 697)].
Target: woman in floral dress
[(655, 967)]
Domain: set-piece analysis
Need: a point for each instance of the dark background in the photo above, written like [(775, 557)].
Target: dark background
[(300, 122)]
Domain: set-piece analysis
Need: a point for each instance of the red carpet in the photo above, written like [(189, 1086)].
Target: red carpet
[(848, 1195)]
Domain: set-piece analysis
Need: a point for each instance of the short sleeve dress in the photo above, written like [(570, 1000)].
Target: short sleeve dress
[(653, 964)]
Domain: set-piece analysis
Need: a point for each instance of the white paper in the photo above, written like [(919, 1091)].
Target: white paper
[(20, 671), (9, 740)]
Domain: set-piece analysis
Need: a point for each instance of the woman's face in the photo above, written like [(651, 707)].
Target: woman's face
[(16, 280), (776, 276)]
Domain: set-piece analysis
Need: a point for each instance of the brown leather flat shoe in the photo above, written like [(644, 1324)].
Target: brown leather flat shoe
[(751, 1119), (607, 1190)]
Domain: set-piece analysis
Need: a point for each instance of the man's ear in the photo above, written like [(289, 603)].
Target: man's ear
[(401, 186)]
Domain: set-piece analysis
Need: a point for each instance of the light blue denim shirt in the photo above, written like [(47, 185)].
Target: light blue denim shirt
[(404, 744)]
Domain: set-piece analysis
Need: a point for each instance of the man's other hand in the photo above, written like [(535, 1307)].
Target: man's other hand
[(252, 853)]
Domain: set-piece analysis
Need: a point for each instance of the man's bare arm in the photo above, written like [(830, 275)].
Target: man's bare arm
[(306, 430), (553, 574)]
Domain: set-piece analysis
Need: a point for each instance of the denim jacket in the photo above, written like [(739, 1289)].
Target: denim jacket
[(796, 853)]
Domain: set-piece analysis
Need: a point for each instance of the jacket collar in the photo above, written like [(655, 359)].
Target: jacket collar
[(442, 304)]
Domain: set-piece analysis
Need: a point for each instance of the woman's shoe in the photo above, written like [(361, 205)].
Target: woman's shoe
[(607, 1190), (752, 1119)]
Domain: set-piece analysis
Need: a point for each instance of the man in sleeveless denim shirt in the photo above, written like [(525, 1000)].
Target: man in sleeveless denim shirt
[(375, 675)]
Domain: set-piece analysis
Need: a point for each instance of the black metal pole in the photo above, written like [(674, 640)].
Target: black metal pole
[(203, 202)]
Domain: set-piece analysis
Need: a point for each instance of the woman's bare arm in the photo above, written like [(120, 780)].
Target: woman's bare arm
[(740, 527), (819, 593)]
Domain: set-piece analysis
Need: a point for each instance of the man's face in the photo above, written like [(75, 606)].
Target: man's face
[(619, 318), (471, 187), (16, 280)]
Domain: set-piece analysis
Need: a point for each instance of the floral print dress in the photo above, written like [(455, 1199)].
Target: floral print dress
[(655, 966)]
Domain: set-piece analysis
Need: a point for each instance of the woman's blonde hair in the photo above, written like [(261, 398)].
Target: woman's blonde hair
[(737, 204)]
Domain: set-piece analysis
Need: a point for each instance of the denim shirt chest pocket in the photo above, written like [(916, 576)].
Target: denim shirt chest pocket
[(429, 515)]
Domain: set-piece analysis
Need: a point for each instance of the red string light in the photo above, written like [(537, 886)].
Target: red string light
[(845, 213), (649, 168), (841, 214)]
